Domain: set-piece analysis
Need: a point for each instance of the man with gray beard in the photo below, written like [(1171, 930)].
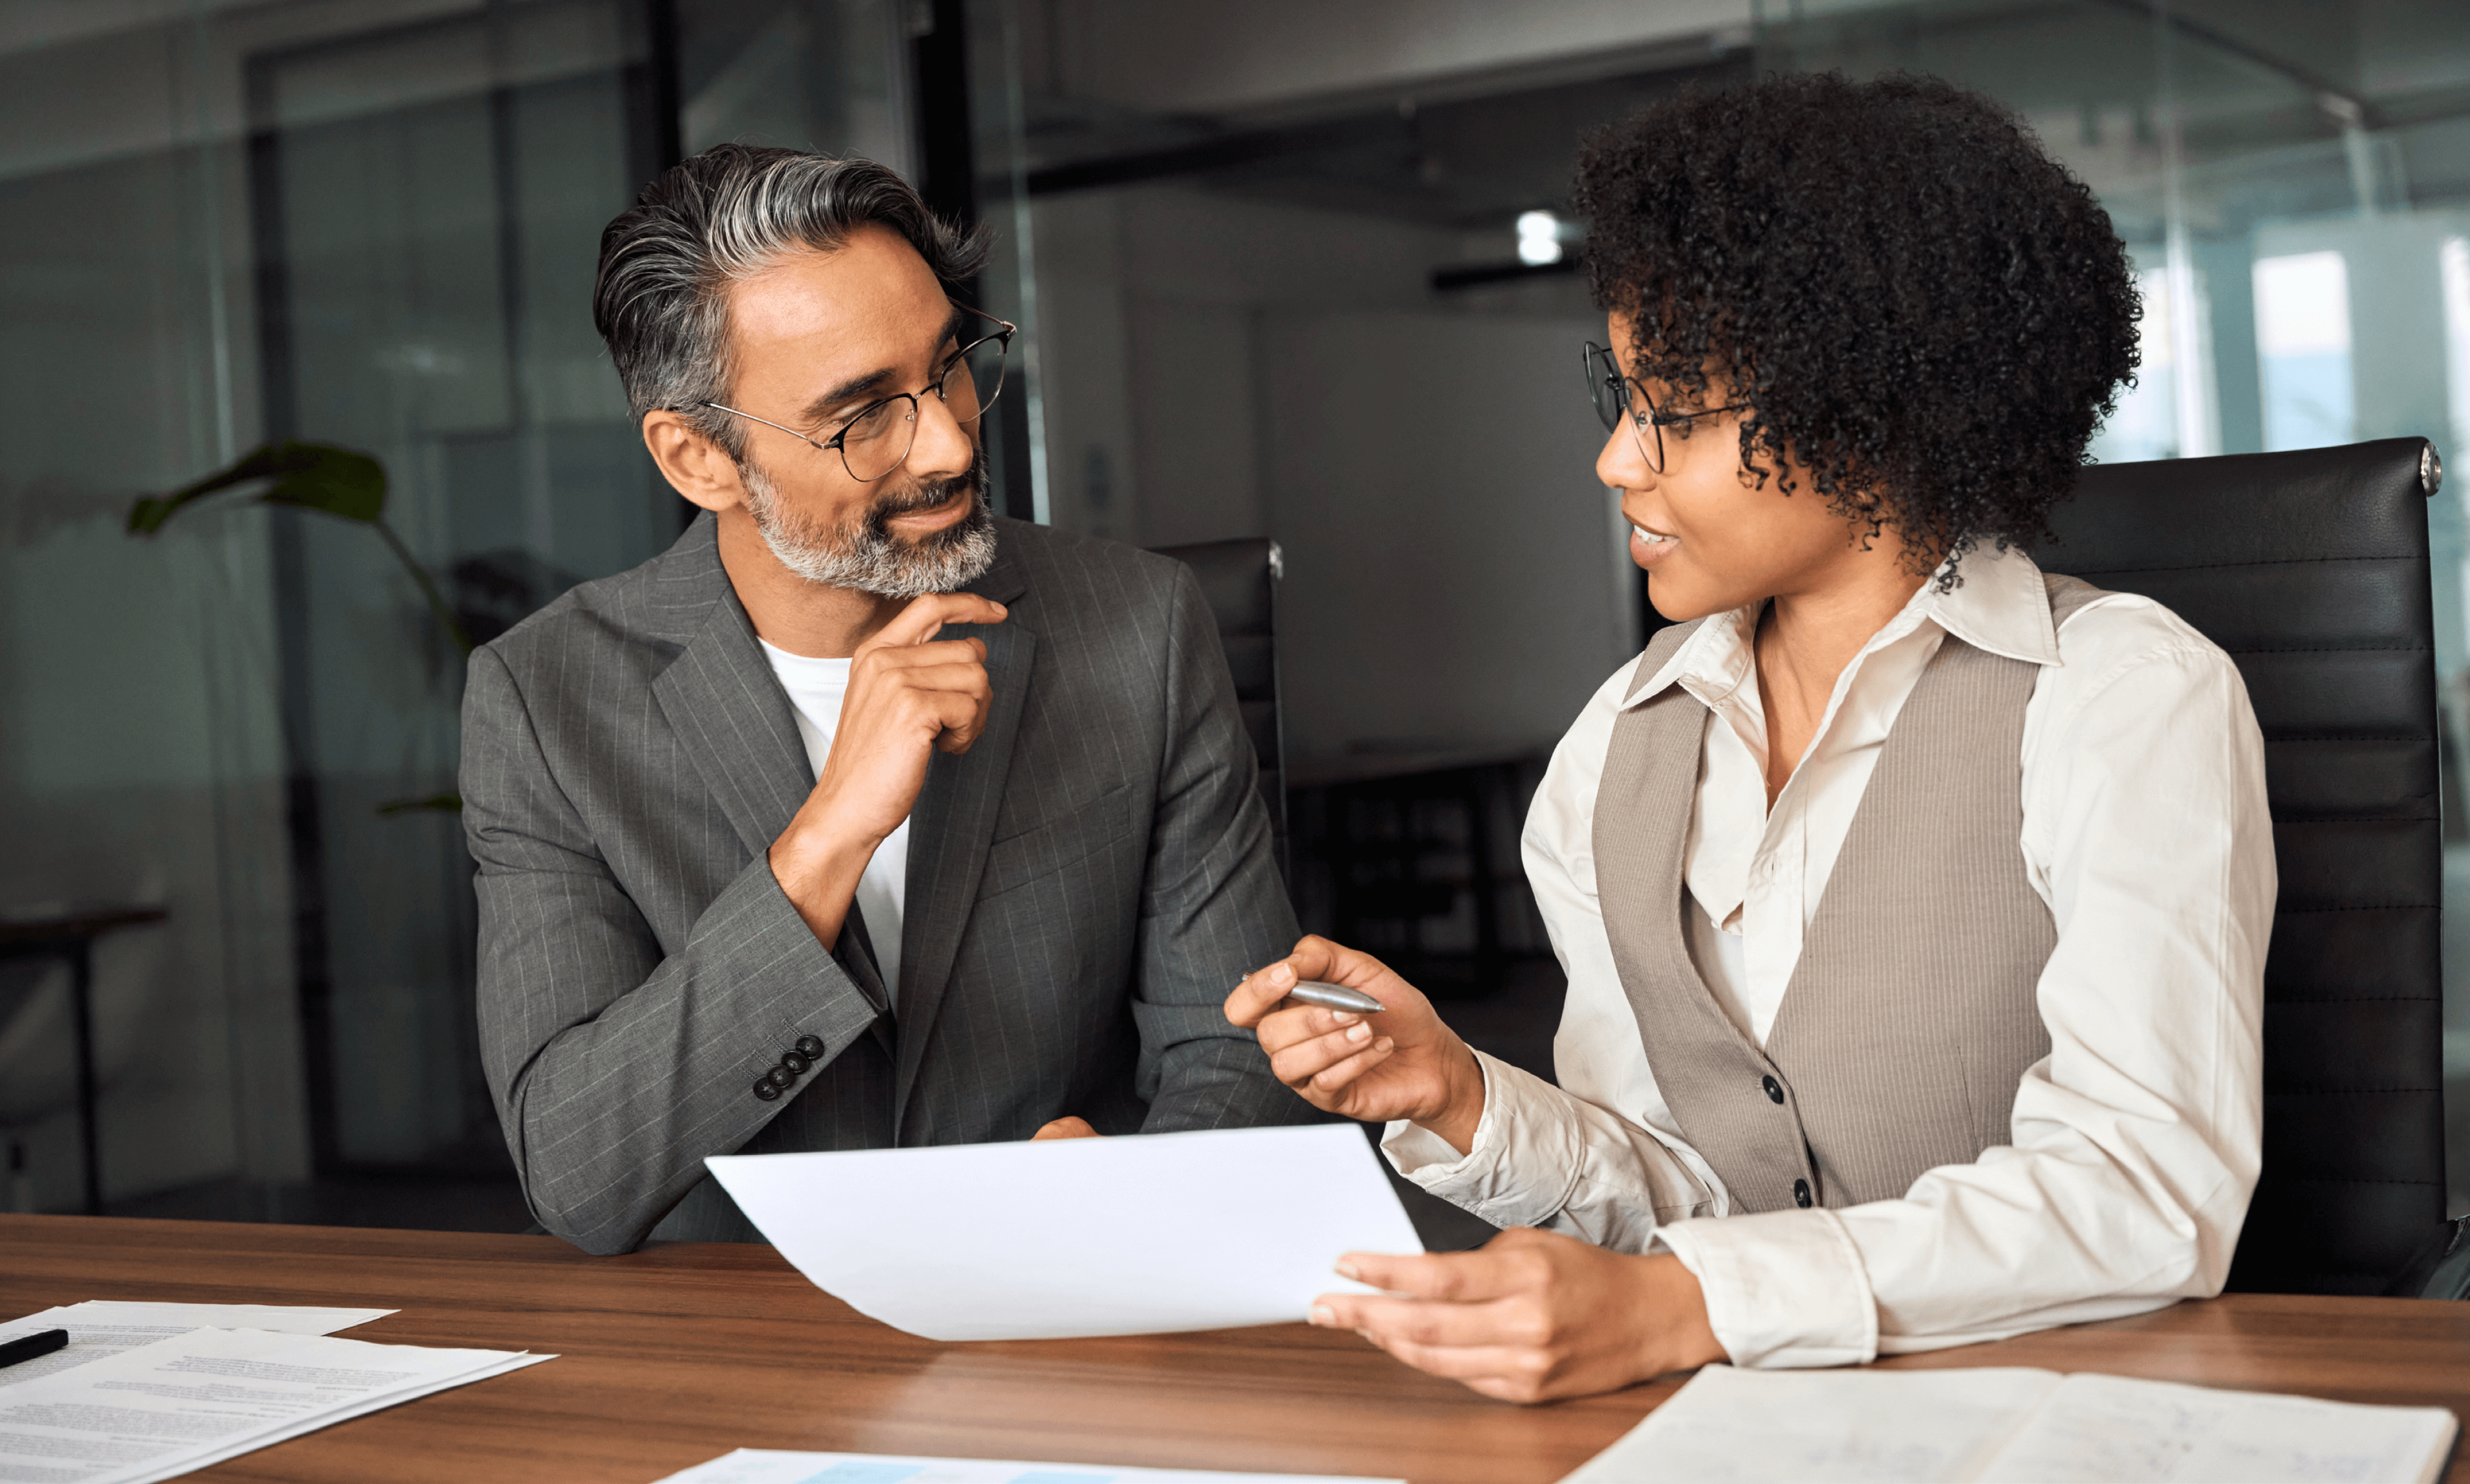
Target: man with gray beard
[(862, 817)]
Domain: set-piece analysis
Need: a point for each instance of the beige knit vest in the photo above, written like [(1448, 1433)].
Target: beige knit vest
[(1910, 1018)]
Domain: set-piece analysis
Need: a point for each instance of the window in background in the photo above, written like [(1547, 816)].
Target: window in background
[(2146, 422), (829, 75), (2303, 340), (2454, 266), (141, 753)]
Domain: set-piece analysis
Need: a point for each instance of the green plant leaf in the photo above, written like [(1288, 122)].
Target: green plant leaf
[(306, 476)]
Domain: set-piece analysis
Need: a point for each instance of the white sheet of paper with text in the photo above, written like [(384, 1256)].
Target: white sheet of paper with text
[(181, 1403), (100, 1327), (2107, 1430), (1729, 1427), (1144, 1234), (2015, 1425), (765, 1466)]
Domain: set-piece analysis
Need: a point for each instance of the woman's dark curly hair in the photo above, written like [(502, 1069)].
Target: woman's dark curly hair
[(1927, 314)]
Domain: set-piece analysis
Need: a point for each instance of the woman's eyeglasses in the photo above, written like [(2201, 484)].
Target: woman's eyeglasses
[(1618, 398)]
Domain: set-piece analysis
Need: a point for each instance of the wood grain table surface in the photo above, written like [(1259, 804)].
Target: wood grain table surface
[(680, 1352)]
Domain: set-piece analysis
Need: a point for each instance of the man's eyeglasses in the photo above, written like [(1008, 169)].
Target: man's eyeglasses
[(877, 440), (1618, 398)]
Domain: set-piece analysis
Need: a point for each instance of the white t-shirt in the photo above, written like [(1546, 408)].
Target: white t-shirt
[(816, 689)]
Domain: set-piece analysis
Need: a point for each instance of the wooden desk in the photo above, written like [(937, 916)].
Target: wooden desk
[(682, 1353)]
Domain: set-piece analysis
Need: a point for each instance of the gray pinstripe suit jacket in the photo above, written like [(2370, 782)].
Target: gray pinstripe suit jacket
[(1085, 885)]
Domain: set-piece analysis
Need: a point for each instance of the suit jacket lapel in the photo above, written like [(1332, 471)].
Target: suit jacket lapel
[(951, 826), (728, 710)]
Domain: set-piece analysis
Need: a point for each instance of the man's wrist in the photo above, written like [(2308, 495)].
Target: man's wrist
[(819, 869)]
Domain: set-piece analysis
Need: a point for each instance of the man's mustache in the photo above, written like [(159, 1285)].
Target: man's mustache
[(926, 496)]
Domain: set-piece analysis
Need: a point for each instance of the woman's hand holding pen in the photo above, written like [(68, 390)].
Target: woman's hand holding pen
[(1401, 1063)]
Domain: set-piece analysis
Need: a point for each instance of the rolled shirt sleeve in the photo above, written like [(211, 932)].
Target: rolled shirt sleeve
[(1544, 1158)]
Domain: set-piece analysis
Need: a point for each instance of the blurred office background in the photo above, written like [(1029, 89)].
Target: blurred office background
[(1287, 269)]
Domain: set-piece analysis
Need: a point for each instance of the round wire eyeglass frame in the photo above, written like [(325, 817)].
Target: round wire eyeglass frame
[(958, 365), (1618, 397)]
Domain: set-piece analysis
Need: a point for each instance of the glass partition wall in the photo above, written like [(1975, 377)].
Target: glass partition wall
[(141, 749), (427, 202), (369, 225)]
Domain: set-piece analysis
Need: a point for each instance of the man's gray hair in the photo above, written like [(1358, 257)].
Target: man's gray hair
[(661, 298)]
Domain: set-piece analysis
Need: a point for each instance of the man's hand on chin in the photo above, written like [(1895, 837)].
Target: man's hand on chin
[(910, 696), (1066, 1129)]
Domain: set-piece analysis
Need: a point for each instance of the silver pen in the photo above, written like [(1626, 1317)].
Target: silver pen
[(1337, 997)]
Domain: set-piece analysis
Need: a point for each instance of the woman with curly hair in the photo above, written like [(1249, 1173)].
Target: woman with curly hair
[(1914, 901)]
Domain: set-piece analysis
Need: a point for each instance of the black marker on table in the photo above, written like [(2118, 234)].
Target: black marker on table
[(42, 1342)]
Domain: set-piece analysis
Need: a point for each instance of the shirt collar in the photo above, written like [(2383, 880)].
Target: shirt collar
[(2001, 606)]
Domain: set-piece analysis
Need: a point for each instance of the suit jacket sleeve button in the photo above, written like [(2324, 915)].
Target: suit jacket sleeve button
[(1801, 1194), (796, 1061), (1773, 1089), (810, 1048), (764, 1089), (779, 1079)]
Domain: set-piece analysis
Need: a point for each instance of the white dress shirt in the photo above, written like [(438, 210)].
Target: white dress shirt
[(816, 689), (2134, 1143)]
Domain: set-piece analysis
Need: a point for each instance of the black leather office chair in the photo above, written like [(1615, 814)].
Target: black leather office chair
[(2311, 568), (1240, 578)]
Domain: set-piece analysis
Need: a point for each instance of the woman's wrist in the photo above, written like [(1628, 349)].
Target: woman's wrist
[(1461, 1110), (1684, 1339)]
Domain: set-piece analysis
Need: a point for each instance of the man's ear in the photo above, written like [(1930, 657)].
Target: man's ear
[(693, 465)]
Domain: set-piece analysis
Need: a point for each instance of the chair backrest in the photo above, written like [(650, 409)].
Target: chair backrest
[(2310, 569), (1239, 579)]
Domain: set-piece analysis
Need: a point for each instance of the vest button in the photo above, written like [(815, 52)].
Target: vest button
[(1774, 1090), (1801, 1194)]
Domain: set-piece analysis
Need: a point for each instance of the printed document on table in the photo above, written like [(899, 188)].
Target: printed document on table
[(1958, 1426), (163, 1410), (2099, 1429), (1143, 1233), (763, 1465), (1826, 1426), (106, 1326)]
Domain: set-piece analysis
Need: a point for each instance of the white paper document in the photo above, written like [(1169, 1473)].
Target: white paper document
[(763, 1465), (1144, 1234), (2016, 1427), (163, 1410), (106, 1326)]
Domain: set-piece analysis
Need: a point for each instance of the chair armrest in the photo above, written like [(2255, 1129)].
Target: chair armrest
[(2441, 1271)]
